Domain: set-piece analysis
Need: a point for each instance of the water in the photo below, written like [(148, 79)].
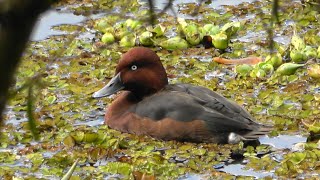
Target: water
[(283, 141), (279, 142), (54, 17), (214, 4), (238, 169)]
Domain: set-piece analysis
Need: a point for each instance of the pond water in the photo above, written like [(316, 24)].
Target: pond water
[(94, 118), (54, 17), (239, 169), (51, 18), (216, 4), (283, 141)]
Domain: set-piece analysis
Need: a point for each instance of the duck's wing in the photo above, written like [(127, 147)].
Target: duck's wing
[(214, 101), (247, 126), (186, 103), (243, 123)]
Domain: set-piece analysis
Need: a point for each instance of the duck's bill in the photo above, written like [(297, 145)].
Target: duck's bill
[(112, 87)]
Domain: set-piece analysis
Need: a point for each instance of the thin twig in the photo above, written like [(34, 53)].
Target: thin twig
[(151, 10)]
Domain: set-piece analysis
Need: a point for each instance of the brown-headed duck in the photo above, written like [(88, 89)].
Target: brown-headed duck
[(148, 105)]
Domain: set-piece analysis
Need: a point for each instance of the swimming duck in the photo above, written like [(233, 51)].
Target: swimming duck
[(149, 105)]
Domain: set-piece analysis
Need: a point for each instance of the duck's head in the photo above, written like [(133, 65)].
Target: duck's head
[(139, 71)]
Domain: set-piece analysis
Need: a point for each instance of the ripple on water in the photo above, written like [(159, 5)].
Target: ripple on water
[(283, 141), (52, 18), (91, 123), (238, 169)]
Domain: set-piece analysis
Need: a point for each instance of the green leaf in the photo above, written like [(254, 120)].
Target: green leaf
[(298, 157), (51, 99)]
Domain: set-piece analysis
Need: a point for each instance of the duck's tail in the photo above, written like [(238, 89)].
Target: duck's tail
[(256, 133), (253, 135)]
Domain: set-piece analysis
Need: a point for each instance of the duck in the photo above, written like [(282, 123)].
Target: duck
[(146, 104)]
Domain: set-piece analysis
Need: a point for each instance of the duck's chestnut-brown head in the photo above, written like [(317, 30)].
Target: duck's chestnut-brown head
[(139, 71)]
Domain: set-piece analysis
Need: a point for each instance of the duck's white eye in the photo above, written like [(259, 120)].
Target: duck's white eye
[(134, 67)]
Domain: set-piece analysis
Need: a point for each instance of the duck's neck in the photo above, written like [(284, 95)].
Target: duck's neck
[(142, 90)]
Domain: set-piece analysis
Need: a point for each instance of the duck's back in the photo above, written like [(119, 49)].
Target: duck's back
[(191, 113)]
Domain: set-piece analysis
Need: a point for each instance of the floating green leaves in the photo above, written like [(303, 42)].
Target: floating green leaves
[(51, 99), (7, 157), (288, 68), (313, 70), (314, 127), (108, 38), (297, 162), (174, 43), (69, 121)]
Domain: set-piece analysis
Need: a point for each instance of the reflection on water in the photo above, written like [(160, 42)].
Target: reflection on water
[(283, 141), (213, 4), (279, 142), (238, 169), (176, 5), (194, 177), (91, 122), (52, 18)]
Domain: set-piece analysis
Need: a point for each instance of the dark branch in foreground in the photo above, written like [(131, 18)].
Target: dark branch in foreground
[(17, 19)]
